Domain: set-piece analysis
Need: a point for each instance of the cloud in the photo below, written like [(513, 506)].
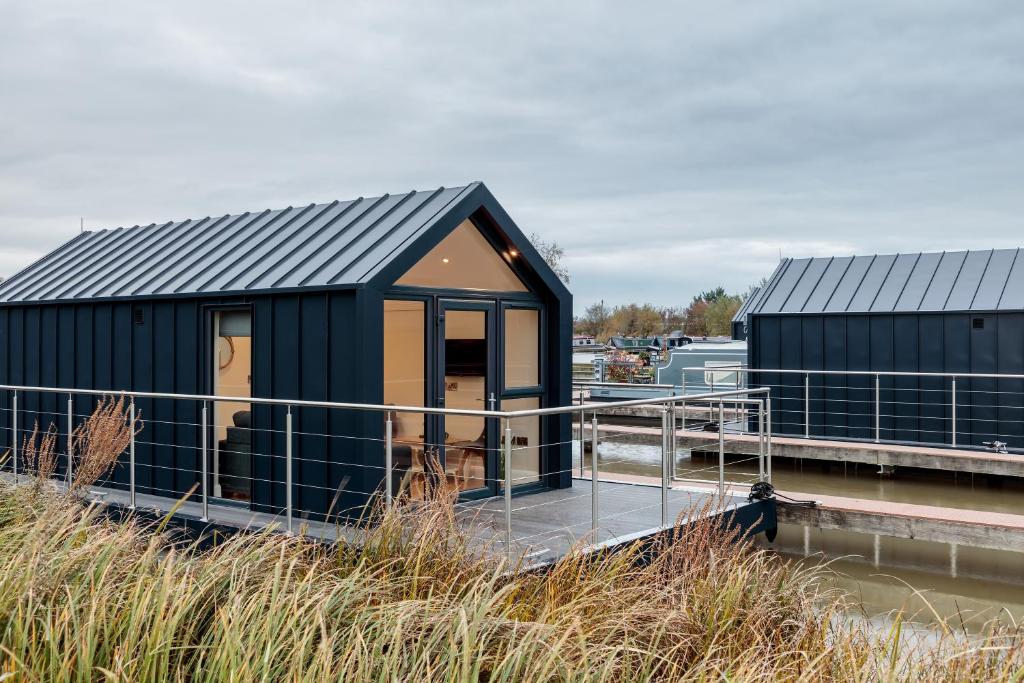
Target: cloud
[(669, 148)]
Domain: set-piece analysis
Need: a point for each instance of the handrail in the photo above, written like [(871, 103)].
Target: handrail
[(301, 403), (866, 373), (624, 384)]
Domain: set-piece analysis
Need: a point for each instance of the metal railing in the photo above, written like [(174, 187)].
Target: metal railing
[(202, 421), (892, 410)]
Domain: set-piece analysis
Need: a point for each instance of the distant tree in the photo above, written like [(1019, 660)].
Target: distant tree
[(632, 320), (710, 313), (593, 320), (552, 253)]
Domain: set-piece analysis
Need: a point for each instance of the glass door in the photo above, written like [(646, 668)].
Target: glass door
[(232, 420), (466, 379)]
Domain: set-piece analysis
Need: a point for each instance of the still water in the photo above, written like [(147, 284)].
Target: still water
[(879, 574)]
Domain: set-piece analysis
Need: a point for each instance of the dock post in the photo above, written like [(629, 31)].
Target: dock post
[(721, 452), (807, 405), (508, 488), (953, 414), (131, 455), (664, 464), (388, 462), (594, 511), (204, 457), (878, 408), (768, 437), (288, 468), (14, 434), (69, 473), (760, 441)]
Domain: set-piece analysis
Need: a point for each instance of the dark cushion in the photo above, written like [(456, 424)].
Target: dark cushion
[(243, 418)]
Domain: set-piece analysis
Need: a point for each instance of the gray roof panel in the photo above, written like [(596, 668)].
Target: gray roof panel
[(941, 286), (901, 283), (871, 284), (917, 284), (842, 295), (895, 282), (803, 288), (341, 243)]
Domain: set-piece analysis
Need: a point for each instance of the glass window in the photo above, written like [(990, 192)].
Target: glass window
[(522, 347), (405, 384), (464, 260), (465, 386), (525, 443)]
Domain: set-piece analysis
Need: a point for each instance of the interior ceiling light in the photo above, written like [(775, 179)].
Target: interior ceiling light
[(513, 253), (444, 260)]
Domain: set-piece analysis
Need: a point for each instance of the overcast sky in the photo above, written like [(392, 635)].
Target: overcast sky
[(668, 147)]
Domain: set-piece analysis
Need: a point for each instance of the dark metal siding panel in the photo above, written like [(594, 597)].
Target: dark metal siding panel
[(942, 281), (848, 284), (827, 284), (895, 282), (994, 281), (835, 393), (882, 358), (791, 386), (162, 427), (918, 282), (871, 283), (966, 286), (5, 378), (956, 329), (263, 326), (188, 336), (784, 286), (344, 384), (860, 389), (1011, 391), (812, 344), (983, 397), (906, 390), (934, 409), (806, 285), (311, 444)]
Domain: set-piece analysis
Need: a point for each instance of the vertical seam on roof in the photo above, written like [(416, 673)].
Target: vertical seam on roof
[(835, 288), (348, 245), (175, 247), (279, 237), (101, 244), (780, 272), (59, 251), (1006, 283), (196, 247), (953, 286), (981, 279), (238, 258), (302, 245), (789, 294), (145, 250), (348, 226), (89, 270), (824, 270), (881, 285), (931, 279), (412, 237), (99, 262), (846, 309), (910, 274), (225, 242)]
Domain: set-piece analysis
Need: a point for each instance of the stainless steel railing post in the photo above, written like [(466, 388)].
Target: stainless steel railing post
[(204, 463), (508, 488), (594, 505), (131, 456), (583, 436), (878, 408), (768, 438), (664, 465), (288, 468), (953, 413), (388, 460), (721, 451), (69, 474), (760, 441), (807, 405), (14, 434)]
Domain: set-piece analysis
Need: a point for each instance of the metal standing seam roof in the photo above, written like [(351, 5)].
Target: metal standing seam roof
[(340, 243), (741, 312), (987, 280)]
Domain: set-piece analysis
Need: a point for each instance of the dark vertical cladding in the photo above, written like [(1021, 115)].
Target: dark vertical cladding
[(911, 409)]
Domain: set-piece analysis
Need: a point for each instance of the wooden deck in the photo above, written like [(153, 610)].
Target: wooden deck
[(545, 525)]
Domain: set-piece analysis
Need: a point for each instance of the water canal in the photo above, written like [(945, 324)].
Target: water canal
[(878, 574)]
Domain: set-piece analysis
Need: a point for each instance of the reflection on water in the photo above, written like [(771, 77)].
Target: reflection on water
[(880, 573)]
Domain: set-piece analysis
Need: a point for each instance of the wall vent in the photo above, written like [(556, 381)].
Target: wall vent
[(140, 315), (978, 324)]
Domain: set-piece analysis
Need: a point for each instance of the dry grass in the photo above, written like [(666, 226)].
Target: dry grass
[(84, 598)]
